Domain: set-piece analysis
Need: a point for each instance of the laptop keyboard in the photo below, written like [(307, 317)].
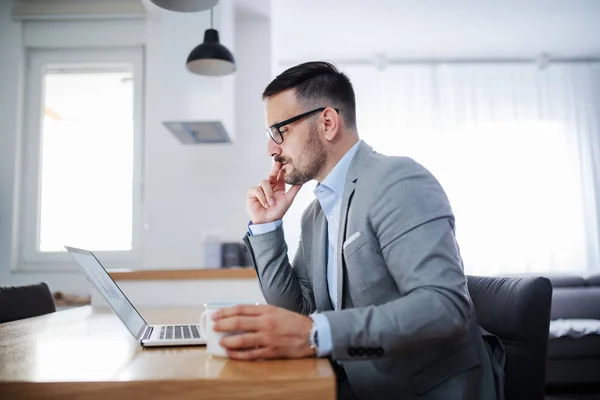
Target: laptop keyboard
[(179, 332)]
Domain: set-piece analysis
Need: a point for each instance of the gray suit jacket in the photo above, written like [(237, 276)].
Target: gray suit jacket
[(406, 328)]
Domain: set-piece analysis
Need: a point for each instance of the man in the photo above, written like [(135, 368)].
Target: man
[(377, 282)]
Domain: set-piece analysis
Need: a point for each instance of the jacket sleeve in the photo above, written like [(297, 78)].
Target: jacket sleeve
[(283, 284)]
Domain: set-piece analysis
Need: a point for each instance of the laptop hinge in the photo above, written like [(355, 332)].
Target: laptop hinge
[(147, 334)]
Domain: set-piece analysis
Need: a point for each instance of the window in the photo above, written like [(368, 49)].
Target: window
[(507, 147), (82, 167), (514, 191)]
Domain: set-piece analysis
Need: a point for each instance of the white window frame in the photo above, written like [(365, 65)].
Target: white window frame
[(31, 258)]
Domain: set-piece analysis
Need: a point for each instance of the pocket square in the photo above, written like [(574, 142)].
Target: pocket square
[(351, 239)]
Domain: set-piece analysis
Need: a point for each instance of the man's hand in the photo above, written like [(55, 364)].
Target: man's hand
[(271, 332), (269, 201)]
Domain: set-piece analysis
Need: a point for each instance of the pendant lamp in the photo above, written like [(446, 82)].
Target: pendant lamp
[(185, 5), (211, 57)]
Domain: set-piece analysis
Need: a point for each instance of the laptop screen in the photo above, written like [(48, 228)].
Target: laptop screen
[(98, 276)]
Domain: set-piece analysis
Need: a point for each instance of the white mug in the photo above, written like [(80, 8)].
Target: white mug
[(208, 333)]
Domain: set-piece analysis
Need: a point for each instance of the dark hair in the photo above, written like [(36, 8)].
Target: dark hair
[(318, 84)]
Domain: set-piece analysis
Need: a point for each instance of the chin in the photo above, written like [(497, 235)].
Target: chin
[(289, 179), (286, 178)]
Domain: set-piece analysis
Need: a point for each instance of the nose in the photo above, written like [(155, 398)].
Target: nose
[(273, 148)]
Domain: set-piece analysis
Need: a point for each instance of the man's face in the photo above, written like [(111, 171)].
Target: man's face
[(302, 152)]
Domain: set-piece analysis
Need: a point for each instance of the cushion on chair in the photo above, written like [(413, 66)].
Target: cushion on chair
[(517, 310), (584, 347), (566, 280), (593, 280), (18, 302), (576, 303)]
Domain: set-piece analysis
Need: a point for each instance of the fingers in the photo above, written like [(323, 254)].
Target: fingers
[(237, 323), (253, 354), (268, 192), (241, 341), (241, 310), (258, 193), (274, 174), (255, 346), (263, 193)]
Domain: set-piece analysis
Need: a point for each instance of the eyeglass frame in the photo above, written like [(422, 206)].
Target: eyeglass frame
[(279, 125)]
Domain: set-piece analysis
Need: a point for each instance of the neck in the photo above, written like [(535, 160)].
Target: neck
[(337, 151)]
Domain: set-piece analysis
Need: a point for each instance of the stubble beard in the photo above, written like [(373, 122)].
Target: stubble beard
[(313, 155)]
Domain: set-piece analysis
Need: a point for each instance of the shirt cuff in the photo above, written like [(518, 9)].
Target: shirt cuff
[(259, 229), (324, 334)]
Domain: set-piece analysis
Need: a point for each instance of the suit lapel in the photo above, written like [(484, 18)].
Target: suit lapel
[(346, 200), (361, 153), (319, 262)]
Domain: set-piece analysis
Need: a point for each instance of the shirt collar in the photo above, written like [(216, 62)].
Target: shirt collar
[(336, 179)]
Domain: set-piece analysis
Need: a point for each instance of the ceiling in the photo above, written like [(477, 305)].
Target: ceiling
[(360, 29)]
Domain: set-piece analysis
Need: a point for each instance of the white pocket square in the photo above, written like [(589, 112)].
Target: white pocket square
[(351, 239)]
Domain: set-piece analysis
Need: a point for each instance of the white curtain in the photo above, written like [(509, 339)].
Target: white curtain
[(514, 146)]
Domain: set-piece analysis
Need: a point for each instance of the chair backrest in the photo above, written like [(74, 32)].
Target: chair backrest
[(517, 310), (18, 302)]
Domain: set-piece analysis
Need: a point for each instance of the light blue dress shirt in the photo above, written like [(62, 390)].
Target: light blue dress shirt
[(329, 193)]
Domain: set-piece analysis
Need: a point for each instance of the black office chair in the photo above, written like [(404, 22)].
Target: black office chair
[(517, 310), (18, 302)]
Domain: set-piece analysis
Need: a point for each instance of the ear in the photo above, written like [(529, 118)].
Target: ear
[(331, 123)]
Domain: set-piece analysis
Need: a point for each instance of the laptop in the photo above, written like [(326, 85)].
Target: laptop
[(146, 335)]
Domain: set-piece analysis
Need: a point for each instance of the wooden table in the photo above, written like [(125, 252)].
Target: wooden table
[(87, 353)]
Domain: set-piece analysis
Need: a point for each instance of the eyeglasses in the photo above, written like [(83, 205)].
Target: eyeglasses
[(274, 130)]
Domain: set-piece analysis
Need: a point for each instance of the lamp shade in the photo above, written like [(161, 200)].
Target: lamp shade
[(211, 57), (185, 5)]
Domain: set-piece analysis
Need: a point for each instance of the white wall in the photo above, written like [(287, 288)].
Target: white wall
[(188, 190), (192, 190), (339, 29), (11, 93)]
